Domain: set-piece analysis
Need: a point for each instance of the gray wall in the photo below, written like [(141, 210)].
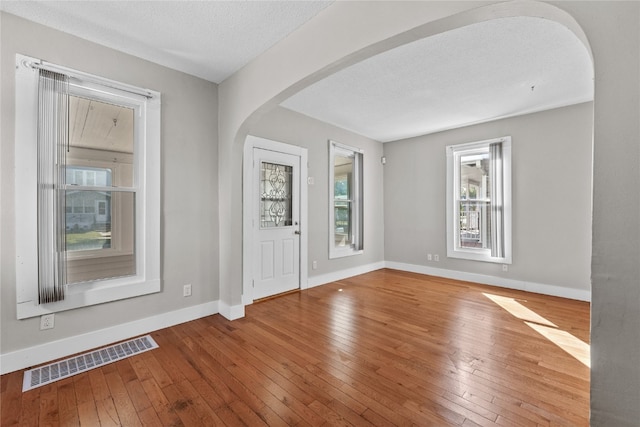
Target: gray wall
[(189, 208), (614, 35), (551, 197), (293, 128)]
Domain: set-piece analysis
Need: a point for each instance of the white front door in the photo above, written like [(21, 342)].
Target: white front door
[(276, 222)]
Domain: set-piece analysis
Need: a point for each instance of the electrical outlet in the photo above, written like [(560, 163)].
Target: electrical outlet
[(429, 257), (436, 258), (47, 321), (314, 265), (186, 291), (505, 267)]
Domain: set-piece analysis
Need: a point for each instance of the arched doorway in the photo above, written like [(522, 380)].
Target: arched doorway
[(419, 32)]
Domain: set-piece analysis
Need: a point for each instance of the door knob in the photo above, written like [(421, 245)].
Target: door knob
[(297, 232)]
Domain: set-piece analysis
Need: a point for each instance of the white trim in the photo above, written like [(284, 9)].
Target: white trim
[(502, 282), (252, 142), (334, 276), (85, 78), (42, 353), (231, 312)]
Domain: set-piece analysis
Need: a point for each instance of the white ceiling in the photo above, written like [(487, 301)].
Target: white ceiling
[(478, 73), (499, 68), (208, 39)]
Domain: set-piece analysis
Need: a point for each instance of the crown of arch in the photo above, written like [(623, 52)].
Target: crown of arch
[(424, 30)]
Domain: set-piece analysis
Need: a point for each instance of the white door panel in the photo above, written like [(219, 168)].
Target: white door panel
[(288, 254), (266, 258)]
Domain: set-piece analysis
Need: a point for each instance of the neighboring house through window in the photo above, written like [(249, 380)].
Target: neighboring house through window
[(87, 189), (345, 194), (479, 201)]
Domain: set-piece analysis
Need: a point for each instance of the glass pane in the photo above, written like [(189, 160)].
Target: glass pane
[(474, 224), (111, 226), (342, 226), (100, 126), (474, 175), (100, 223), (342, 176), (275, 195), (88, 176), (474, 200), (85, 228)]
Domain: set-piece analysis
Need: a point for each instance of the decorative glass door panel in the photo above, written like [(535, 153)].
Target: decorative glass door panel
[(275, 195)]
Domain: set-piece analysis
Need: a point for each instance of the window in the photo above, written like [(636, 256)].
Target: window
[(345, 194), (479, 201), (87, 189)]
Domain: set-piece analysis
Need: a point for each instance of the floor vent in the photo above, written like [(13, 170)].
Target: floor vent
[(42, 375)]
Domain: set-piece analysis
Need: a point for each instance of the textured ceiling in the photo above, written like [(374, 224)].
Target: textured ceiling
[(499, 68), (208, 39)]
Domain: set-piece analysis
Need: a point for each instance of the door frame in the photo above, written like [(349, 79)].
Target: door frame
[(248, 190)]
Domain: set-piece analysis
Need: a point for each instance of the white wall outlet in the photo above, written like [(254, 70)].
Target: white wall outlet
[(47, 321), (310, 180), (314, 265), (186, 291), (429, 257), (505, 267), (436, 258)]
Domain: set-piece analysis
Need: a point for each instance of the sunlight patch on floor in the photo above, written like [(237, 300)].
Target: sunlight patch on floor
[(563, 339), (519, 310)]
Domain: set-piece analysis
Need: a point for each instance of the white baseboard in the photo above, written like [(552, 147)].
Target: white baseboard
[(539, 288), (42, 353), (231, 312), (343, 274)]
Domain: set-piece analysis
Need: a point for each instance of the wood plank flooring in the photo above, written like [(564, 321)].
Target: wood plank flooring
[(387, 348)]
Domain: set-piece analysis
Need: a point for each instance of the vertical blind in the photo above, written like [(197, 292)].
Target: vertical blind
[(53, 138), (496, 175)]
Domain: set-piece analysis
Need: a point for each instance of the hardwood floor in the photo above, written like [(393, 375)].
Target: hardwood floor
[(385, 348)]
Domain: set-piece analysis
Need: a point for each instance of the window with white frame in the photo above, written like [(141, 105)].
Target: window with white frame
[(345, 194), (87, 189), (479, 201)]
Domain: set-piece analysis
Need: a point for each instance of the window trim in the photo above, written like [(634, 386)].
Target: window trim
[(147, 180), (357, 202), (452, 207)]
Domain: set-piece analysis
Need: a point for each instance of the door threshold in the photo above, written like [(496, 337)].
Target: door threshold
[(270, 297)]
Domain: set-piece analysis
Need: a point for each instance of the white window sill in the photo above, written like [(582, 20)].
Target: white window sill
[(342, 253), (477, 255), (89, 293)]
